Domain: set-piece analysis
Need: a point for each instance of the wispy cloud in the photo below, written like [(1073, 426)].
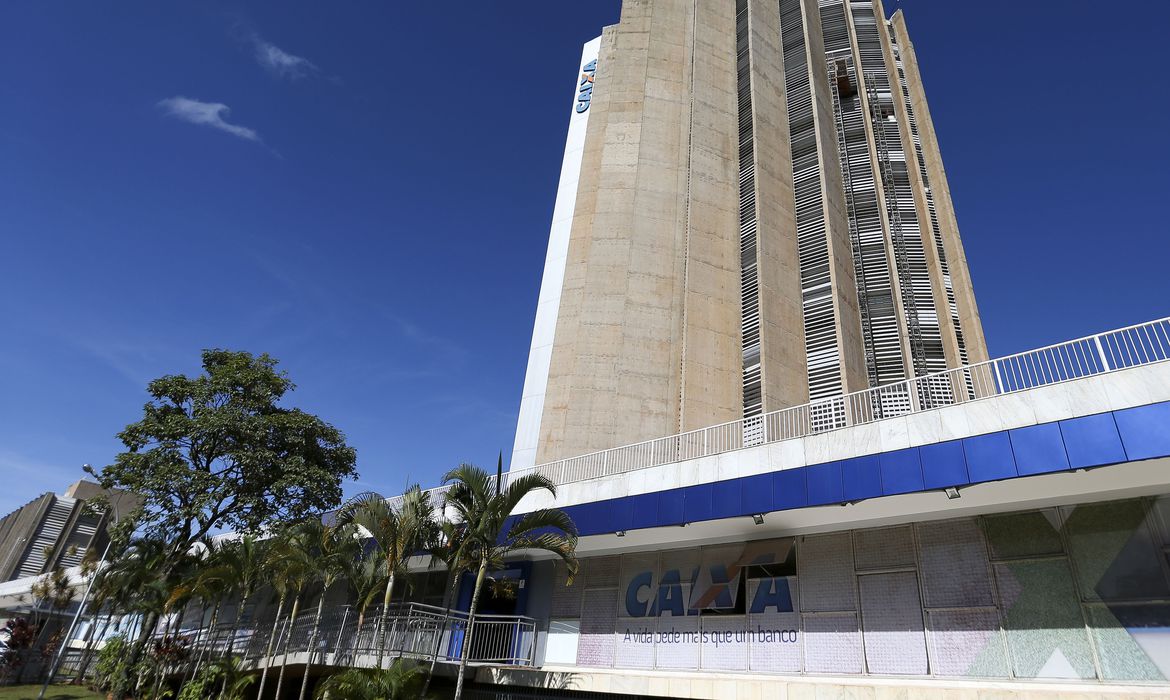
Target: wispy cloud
[(210, 114), (281, 63)]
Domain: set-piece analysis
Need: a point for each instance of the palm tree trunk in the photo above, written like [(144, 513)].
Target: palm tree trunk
[(385, 620), (87, 655), (470, 628), (205, 651), (159, 665), (271, 644), (292, 620), (236, 623), (312, 641), (195, 643), (448, 596)]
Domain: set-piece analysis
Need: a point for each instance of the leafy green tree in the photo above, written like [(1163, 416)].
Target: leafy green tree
[(398, 532), (489, 533), (217, 452)]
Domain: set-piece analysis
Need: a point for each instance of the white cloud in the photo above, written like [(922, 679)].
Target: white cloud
[(282, 63), (206, 114)]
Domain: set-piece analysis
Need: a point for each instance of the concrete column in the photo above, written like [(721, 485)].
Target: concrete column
[(956, 258), (784, 366), (850, 345)]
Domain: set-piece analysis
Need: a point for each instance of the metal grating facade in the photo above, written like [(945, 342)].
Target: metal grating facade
[(875, 288), (820, 328), (916, 293), (753, 400)]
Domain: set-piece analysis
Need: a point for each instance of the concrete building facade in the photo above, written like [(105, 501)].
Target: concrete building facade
[(51, 531), (752, 214)]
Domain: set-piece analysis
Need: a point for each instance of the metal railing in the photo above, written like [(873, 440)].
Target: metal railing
[(343, 637), (1142, 344)]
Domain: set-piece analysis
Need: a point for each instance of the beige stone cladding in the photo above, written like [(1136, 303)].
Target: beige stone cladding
[(652, 270)]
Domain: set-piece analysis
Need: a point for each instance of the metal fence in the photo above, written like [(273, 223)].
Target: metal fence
[(343, 637)]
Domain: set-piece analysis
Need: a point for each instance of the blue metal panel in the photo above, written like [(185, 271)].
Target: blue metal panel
[(861, 478), (756, 493), (583, 517), (726, 499), (824, 484), (901, 471), (1091, 441), (619, 512), (943, 464), (788, 489), (1038, 449), (670, 507), (697, 503), (989, 457), (645, 510), (1145, 430)]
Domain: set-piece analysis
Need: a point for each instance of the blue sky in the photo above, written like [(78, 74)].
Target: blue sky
[(370, 204)]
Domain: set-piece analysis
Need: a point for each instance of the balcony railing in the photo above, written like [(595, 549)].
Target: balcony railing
[(1142, 344)]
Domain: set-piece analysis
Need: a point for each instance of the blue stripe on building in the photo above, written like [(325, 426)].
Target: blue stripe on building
[(1089, 441)]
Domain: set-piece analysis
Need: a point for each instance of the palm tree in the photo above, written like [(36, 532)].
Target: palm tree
[(448, 549), (297, 571), (232, 678), (397, 532), (400, 681), (333, 550), (282, 565), (210, 581), (367, 576), (490, 534)]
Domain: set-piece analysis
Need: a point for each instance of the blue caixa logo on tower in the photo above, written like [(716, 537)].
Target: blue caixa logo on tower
[(585, 86)]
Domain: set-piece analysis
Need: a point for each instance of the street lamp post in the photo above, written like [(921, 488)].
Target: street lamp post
[(80, 608)]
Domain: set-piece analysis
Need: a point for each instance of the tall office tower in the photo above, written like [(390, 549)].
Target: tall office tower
[(752, 214)]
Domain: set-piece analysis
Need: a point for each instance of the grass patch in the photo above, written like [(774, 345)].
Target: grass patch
[(55, 692)]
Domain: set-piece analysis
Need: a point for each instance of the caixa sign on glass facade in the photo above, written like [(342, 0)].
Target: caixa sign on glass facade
[(585, 86), (714, 585)]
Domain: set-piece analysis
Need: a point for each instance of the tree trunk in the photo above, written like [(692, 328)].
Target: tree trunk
[(271, 644), (405, 604), (195, 644), (149, 621), (205, 652), (385, 620), (448, 596), (236, 623), (470, 629), (292, 620), (312, 641), (235, 630)]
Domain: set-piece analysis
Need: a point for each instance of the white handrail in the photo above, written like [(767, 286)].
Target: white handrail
[(1131, 346)]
